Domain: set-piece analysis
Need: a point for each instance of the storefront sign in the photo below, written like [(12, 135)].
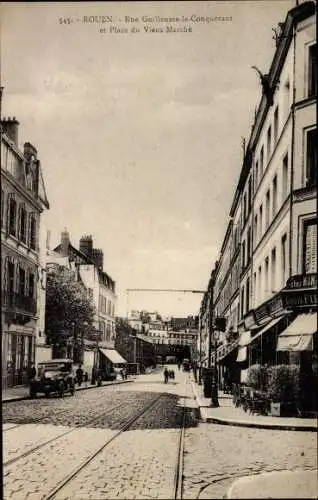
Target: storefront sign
[(275, 305), (302, 281), (261, 314), (300, 299)]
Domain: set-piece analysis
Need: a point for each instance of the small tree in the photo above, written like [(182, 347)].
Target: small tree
[(257, 377), (68, 309)]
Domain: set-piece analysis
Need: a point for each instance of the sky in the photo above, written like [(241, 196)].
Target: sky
[(139, 133)]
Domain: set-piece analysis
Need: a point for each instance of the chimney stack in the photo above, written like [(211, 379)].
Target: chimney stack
[(10, 127), (98, 257), (86, 245), (65, 242)]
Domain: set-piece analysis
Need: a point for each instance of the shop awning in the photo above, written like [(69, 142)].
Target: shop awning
[(298, 336), (245, 338), (242, 354), (113, 356), (270, 325)]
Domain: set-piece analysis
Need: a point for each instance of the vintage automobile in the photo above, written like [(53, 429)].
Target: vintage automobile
[(54, 376)]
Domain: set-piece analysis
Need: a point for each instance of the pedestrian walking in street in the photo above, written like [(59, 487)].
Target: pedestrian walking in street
[(32, 372), (79, 375), (86, 379), (179, 366), (166, 375)]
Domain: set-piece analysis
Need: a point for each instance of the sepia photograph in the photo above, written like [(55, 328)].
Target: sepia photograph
[(159, 249)]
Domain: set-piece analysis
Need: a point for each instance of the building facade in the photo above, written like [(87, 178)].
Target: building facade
[(266, 273), (100, 286), (23, 199)]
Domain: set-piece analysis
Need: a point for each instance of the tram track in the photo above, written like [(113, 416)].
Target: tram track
[(68, 479), (56, 438)]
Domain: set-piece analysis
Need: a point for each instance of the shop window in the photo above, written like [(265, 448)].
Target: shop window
[(12, 216), (312, 71), (311, 157), (310, 247)]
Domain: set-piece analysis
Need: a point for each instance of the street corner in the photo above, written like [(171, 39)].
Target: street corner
[(278, 484)]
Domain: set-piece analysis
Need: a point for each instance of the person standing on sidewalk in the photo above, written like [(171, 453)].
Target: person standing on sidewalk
[(166, 375), (32, 372), (79, 375)]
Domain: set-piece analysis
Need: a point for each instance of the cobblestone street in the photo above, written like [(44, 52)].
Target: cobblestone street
[(47, 440)]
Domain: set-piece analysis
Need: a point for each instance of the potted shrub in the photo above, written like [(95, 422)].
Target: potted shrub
[(283, 389), (257, 377)]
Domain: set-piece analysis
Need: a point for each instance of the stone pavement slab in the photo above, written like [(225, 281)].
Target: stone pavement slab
[(228, 414), (280, 484)]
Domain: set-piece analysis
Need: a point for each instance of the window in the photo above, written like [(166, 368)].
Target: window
[(274, 201), (2, 208), (12, 216), (269, 143), (21, 281), (23, 221), (311, 163), (310, 247), (255, 229), (243, 255), (266, 277), (286, 90), (31, 285), (285, 178), (260, 221), (247, 294), (256, 176), (254, 289), (312, 71), (244, 208), (242, 302), (259, 283), (275, 125), (273, 269), (284, 259), (249, 194), (33, 233), (267, 209), (10, 277), (249, 242), (261, 163)]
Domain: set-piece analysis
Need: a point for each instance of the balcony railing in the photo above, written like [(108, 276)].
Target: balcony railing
[(15, 302)]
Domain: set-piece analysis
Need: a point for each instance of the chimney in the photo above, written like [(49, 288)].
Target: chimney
[(10, 127), (65, 242), (86, 245), (98, 257), (30, 152)]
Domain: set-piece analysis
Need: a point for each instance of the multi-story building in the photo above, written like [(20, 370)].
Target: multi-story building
[(23, 199), (100, 286), (266, 277)]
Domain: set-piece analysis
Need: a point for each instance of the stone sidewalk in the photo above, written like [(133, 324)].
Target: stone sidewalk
[(22, 392), (280, 484), (227, 414)]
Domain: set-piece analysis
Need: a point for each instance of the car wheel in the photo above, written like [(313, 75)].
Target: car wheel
[(61, 390), (32, 394), (47, 394), (72, 390)]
